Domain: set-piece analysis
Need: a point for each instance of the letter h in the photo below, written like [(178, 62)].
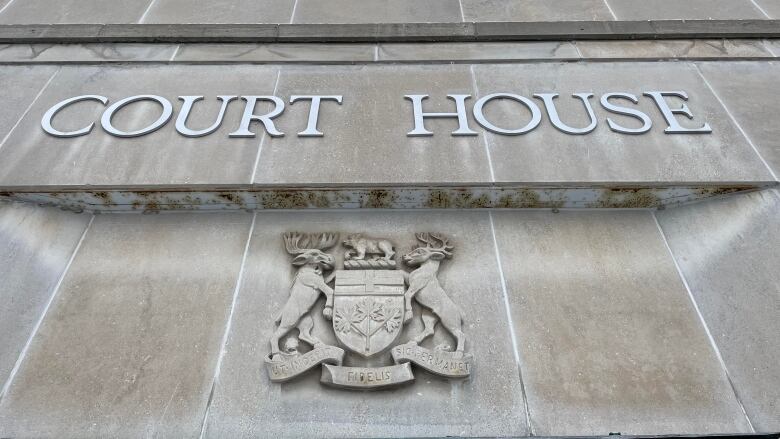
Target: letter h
[(419, 116)]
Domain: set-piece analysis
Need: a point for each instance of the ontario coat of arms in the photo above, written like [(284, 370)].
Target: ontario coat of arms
[(369, 304)]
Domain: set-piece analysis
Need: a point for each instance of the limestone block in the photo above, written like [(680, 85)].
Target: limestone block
[(33, 157), (35, 247), (686, 10), (490, 403), (377, 11), (536, 10), (130, 344), (73, 11), (211, 11), (547, 154), (727, 251), (748, 91), (365, 138), (609, 339)]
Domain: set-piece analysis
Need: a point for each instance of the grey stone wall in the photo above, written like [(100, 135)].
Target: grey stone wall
[(377, 11), (581, 321)]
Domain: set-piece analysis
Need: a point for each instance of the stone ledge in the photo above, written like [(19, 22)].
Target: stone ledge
[(387, 32), (526, 196), (391, 53)]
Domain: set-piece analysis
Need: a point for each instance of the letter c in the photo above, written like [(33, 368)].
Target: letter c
[(46, 121)]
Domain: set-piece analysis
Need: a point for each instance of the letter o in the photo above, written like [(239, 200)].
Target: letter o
[(536, 114), (105, 121)]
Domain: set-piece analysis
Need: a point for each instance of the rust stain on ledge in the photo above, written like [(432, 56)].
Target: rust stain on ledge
[(403, 197)]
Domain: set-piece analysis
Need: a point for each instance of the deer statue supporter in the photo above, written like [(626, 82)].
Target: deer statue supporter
[(309, 283), (424, 287)]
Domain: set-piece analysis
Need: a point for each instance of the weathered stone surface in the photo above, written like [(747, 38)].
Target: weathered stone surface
[(609, 339), (489, 404), (27, 82), (673, 49), (35, 246), (365, 138), (727, 251), (73, 11), (130, 345), (771, 7), (281, 53), (212, 11), (32, 157), (749, 92), (773, 46), (388, 32), (547, 154), (478, 51), (535, 10), (377, 11), (80, 53), (688, 9)]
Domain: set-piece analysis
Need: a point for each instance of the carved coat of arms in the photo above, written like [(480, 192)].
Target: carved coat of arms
[(369, 304)]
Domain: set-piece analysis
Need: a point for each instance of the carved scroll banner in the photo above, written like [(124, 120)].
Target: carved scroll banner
[(439, 362), (285, 367), (366, 378)]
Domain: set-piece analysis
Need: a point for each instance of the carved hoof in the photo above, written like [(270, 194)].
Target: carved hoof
[(319, 345), (328, 313), (443, 347)]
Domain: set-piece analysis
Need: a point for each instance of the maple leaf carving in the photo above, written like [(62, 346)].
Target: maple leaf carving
[(391, 317), (367, 308), (341, 321)]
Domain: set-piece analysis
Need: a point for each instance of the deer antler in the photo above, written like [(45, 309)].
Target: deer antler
[(436, 242), (424, 238), (445, 247), (296, 243)]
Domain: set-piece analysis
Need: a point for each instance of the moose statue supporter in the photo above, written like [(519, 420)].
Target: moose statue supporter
[(309, 283)]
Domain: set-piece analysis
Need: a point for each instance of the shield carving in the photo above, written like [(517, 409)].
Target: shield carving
[(368, 309)]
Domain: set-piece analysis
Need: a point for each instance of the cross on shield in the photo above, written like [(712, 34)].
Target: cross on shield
[(368, 309)]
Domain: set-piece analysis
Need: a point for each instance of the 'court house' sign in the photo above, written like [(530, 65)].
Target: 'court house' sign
[(669, 103)]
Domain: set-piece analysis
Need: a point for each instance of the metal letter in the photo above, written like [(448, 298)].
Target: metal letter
[(419, 116), (646, 122), (674, 125), (536, 114), (46, 121), (181, 120), (314, 113), (249, 116), (556, 120), (162, 120)]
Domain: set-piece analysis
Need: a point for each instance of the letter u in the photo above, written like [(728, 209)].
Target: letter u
[(552, 112), (186, 108)]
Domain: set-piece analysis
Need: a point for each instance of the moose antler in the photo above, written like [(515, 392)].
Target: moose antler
[(297, 243), (436, 242), (323, 241)]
